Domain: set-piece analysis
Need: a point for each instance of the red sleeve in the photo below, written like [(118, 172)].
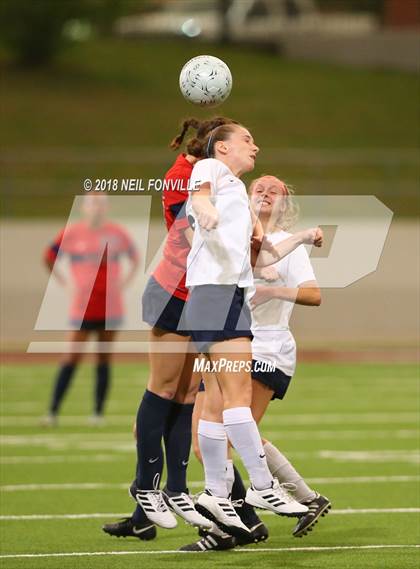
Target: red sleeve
[(51, 252)]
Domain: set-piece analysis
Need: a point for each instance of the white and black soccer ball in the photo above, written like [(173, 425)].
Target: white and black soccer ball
[(205, 80)]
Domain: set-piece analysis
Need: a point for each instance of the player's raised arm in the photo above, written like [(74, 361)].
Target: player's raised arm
[(306, 294), (268, 254), (206, 213)]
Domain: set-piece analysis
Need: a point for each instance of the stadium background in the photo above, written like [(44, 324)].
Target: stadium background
[(334, 113)]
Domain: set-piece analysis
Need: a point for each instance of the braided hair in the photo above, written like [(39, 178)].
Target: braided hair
[(198, 145)]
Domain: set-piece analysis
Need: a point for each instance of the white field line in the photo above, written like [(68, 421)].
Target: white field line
[(314, 434), (41, 438), (340, 418), (60, 459), (236, 550), (29, 420), (108, 515), (123, 442), (336, 434), (278, 419), (64, 486), (199, 483), (409, 456), (381, 456), (32, 407)]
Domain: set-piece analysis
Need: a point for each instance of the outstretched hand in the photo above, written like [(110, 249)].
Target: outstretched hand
[(313, 236)]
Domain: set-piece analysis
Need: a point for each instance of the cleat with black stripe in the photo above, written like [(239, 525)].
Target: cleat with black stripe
[(211, 542), (182, 505), (126, 528), (222, 513), (275, 499), (154, 506), (317, 508)]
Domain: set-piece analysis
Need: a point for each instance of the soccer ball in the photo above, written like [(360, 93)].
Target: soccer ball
[(205, 80)]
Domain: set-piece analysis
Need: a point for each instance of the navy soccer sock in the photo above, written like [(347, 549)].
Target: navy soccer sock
[(177, 438), (61, 386), (139, 517), (245, 512), (151, 420), (102, 385)]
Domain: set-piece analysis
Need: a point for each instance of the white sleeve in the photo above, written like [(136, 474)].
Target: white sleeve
[(207, 170), (300, 268)]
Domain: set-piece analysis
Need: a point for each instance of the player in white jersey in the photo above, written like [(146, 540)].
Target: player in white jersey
[(218, 271), (278, 287)]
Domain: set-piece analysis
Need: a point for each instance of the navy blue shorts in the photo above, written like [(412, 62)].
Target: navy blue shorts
[(162, 310), (216, 313), (109, 324), (275, 380)]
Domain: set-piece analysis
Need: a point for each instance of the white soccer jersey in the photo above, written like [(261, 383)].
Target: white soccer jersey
[(273, 342), (222, 255)]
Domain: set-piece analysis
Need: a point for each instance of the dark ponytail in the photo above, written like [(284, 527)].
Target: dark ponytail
[(178, 140), (196, 145)]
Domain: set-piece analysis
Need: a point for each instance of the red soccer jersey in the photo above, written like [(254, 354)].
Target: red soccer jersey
[(171, 271), (94, 255)]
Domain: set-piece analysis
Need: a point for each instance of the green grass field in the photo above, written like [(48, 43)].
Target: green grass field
[(352, 430)]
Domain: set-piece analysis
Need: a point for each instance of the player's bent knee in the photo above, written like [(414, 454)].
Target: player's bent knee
[(166, 394), (164, 389), (239, 398)]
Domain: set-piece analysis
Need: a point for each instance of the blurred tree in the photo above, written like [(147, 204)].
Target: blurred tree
[(33, 29)]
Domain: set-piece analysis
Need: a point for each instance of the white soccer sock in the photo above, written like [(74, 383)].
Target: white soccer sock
[(242, 432), (230, 476), (213, 447), (281, 468)]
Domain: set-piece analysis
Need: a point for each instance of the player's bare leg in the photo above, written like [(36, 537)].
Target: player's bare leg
[(165, 412), (240, 427), (166, 369), (284, 471)]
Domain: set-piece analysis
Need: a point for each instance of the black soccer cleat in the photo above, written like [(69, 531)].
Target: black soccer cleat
[(210, 542), (258, 533), (318, 507), (125, 528)]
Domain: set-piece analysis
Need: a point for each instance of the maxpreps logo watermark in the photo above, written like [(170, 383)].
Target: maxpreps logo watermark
[(203, 365)]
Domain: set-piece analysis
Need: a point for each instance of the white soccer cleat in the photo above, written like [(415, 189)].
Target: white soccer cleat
[(96, 420), (49, 420), (222, 512), (154, 507), (182, 505), (275, 499)]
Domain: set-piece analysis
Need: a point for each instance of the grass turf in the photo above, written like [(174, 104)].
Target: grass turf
[(338, 423), (108, 108)]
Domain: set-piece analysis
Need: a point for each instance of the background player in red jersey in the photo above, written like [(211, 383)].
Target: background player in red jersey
[(94, 247)]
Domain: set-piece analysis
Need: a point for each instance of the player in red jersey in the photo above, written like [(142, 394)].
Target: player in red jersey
[(94, 247), (166, 408)]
